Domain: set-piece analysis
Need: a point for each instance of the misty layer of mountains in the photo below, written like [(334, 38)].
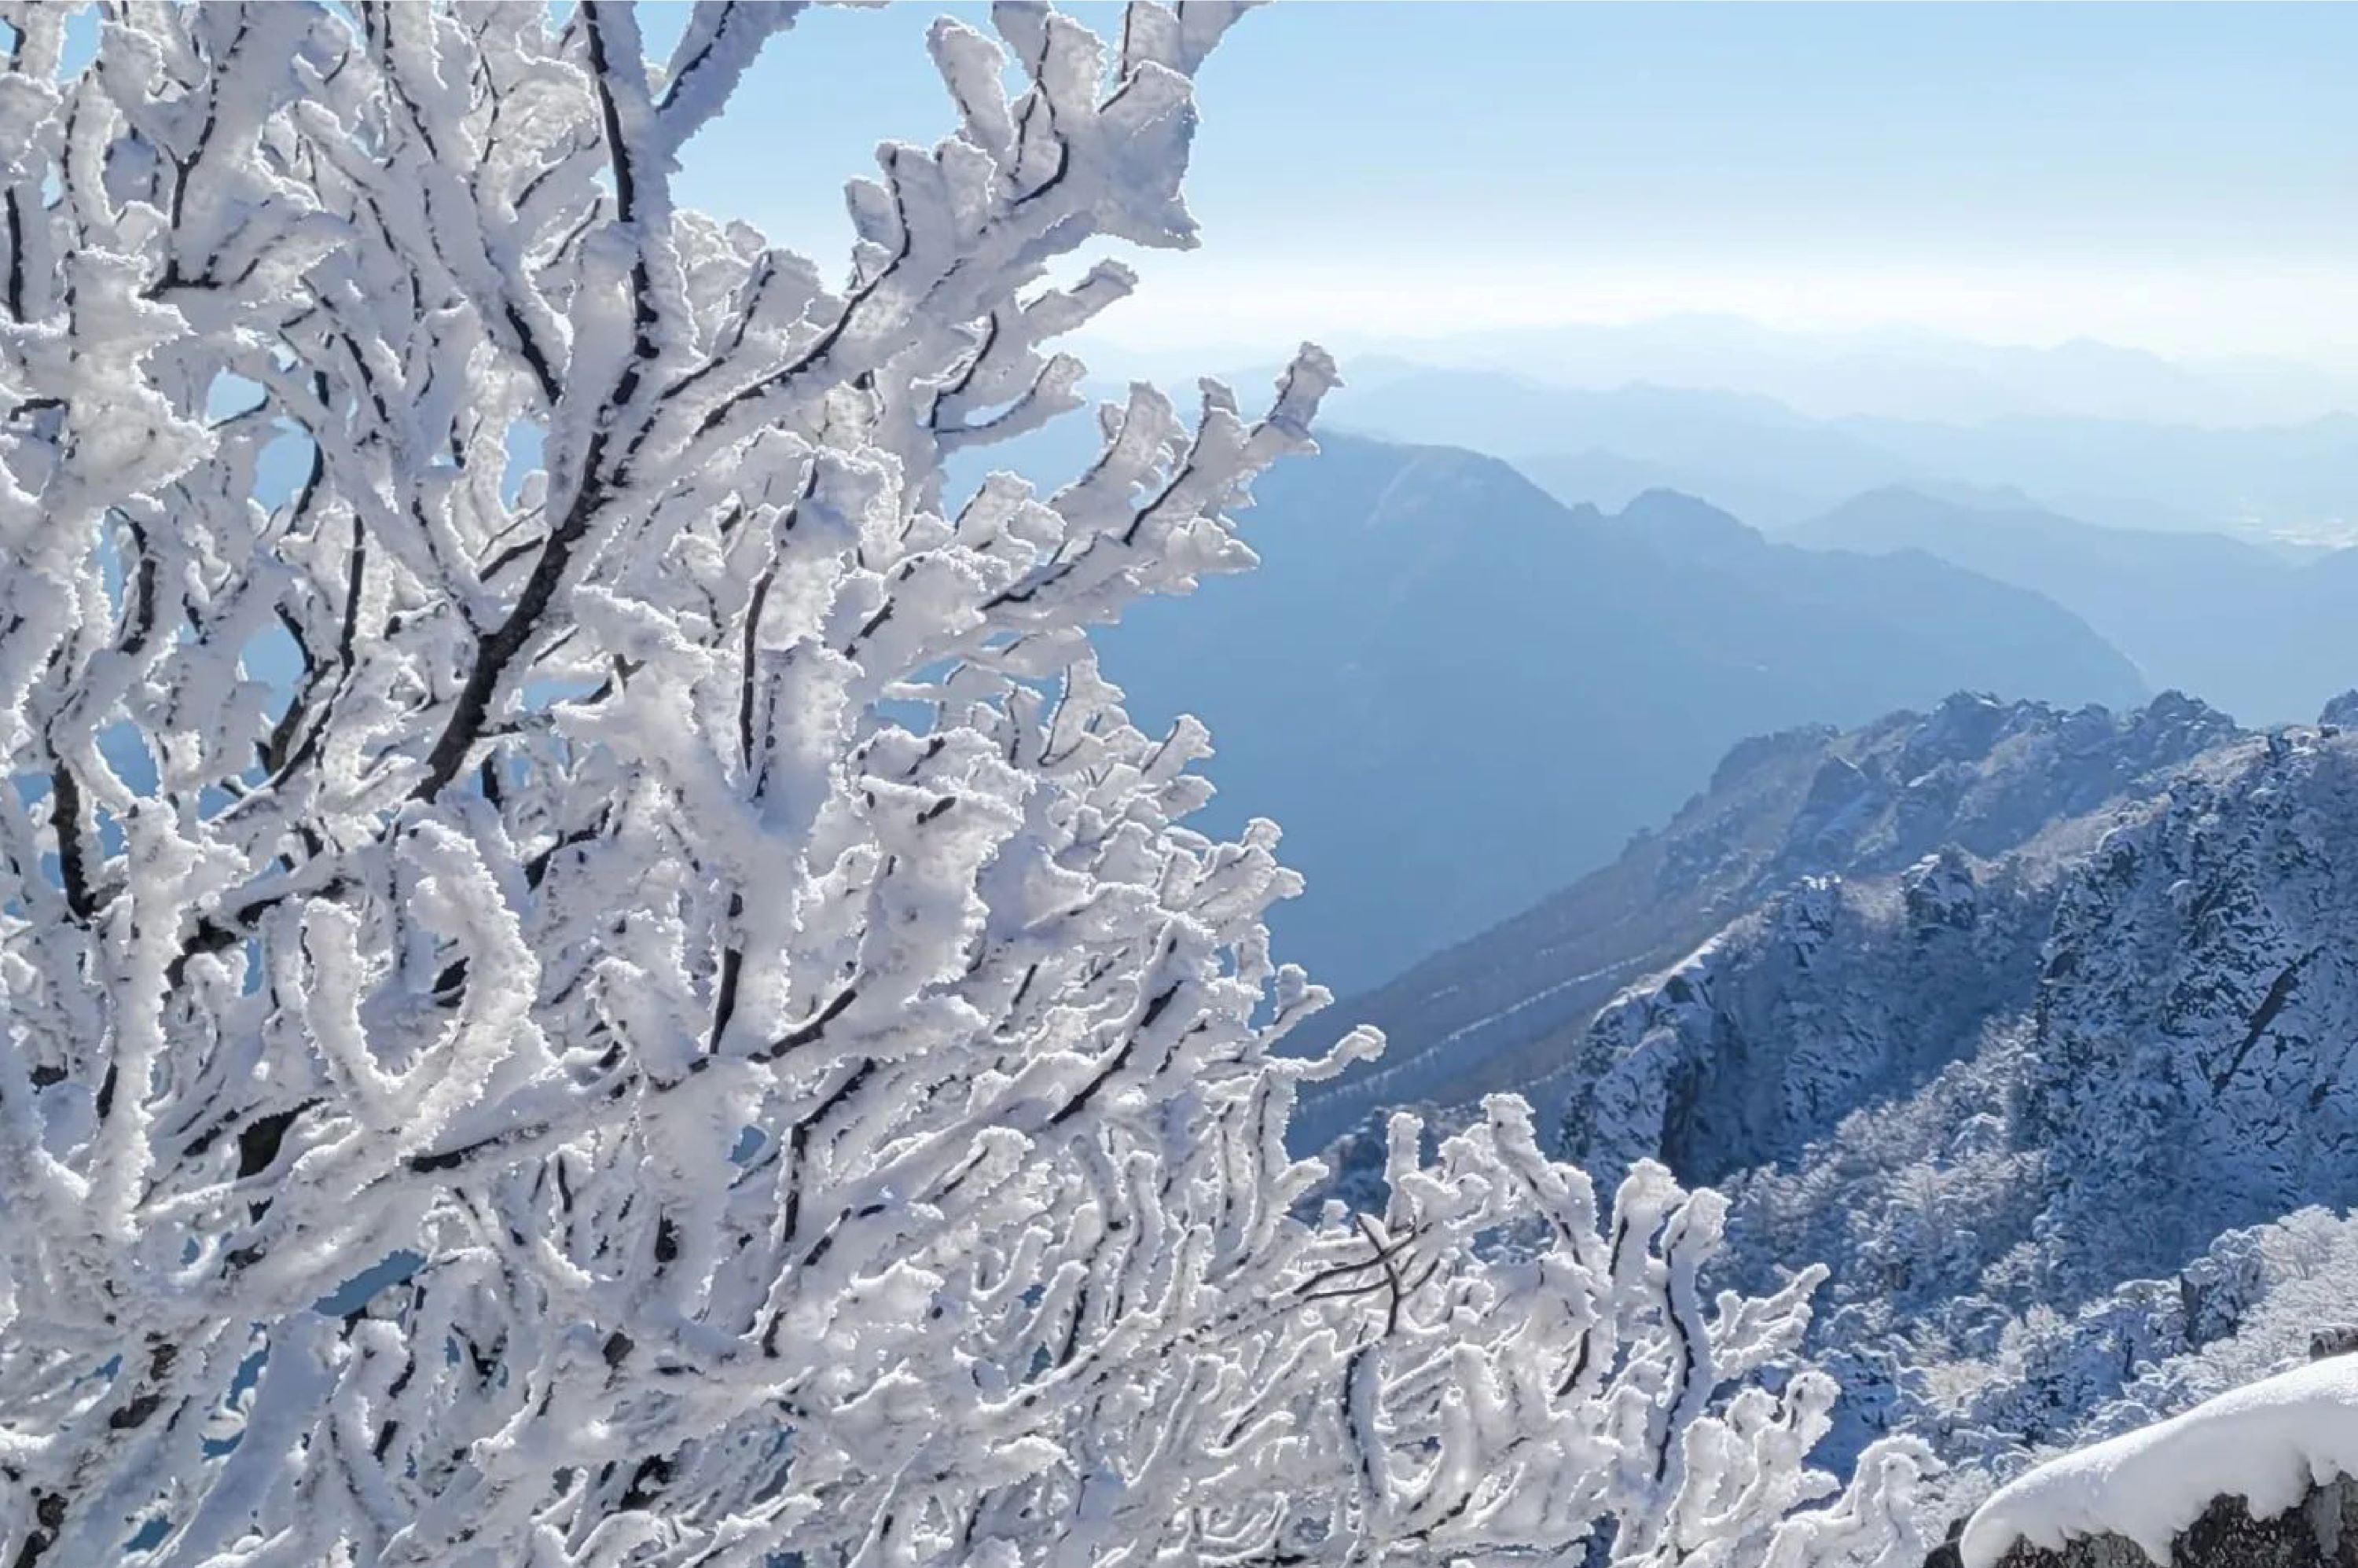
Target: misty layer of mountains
[(1899, 371), (1902, 372), (1774, 466), (1450, 688), (2268, 638), (1419, 604), (2039, 1026), (1457, 693)]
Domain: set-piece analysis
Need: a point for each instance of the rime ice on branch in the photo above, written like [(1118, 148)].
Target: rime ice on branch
[(770, 1122)]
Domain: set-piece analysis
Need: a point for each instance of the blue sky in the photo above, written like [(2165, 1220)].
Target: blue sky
[(2180, 177)]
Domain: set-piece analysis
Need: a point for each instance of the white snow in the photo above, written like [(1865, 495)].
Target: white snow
[(2268, 1444)]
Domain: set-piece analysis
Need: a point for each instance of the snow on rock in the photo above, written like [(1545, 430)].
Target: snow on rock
[(2269, 1443)]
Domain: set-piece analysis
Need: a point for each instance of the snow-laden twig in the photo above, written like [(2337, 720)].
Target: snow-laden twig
[(682, 1024)]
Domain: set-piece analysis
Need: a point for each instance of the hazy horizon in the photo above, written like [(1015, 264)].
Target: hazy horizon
[(2289, 389), (1447, 345), (2171, 180)]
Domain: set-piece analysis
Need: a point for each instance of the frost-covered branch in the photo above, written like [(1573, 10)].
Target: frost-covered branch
[(659, 1010)]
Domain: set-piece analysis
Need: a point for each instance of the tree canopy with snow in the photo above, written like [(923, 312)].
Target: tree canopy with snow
[(691, 1029)]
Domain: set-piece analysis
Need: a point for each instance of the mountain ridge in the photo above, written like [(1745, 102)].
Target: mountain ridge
[(1769, 464)]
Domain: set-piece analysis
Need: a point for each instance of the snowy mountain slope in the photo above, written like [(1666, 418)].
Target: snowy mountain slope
[(2165, 987), (1985, 1086), (1505, 1010), (2257, 1300), (2040, 1028)]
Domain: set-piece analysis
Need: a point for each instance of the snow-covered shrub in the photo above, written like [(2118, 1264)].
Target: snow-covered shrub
[(688, 1028), (2259, 1302)]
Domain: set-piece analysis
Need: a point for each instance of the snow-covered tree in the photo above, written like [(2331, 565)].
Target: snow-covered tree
[(683, 1026)]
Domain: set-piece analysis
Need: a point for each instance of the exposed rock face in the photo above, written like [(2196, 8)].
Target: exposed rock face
[(2322, 1532)]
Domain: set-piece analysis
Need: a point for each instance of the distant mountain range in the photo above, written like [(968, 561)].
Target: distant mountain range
[(1458, 694), (1776, 467), (1416, 601), (1906, 372), (2268, 639)]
